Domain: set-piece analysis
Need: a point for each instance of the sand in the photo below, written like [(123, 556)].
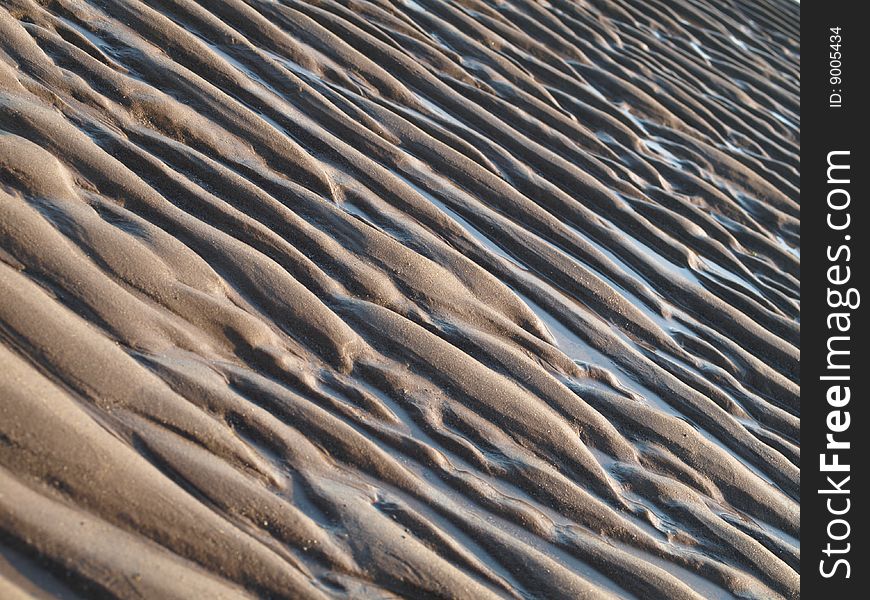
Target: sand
[(375, 299)]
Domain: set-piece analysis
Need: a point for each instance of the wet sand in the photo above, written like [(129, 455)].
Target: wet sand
[(375, 299)]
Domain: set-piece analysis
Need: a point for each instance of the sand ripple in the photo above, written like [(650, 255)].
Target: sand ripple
[(377, 298)]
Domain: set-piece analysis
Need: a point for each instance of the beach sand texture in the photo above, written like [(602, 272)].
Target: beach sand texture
[(382, 298)]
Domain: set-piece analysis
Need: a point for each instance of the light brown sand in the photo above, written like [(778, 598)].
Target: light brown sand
[(470, 299)]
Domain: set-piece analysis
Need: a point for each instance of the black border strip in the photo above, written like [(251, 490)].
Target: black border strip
[(834, 263)]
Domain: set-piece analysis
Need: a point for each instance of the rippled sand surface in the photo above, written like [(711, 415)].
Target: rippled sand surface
[(375, 299)]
